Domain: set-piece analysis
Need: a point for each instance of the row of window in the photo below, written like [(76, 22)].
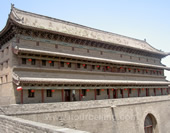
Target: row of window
[(31, 93), (4, 65), (94, 67), (49, 92), (101, 53)]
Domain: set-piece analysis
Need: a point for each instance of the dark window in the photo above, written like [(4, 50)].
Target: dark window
[(107, 91), (78, 65), (98, 67), (101, 53), (43, 62), (24, 61), (56, 46), (88, 51), (1, 66), (33, 62), (30, 93), (69, 65), (85, 66), (84, 92), (146, 71), (121, 91), (6, 78), (134, 70), (6, 64), (121, 56), (130, 90), (49, 93), (118, 69), (2, 53), (139, 91), (98, 91), (52, 63), (62, 64), (93, 66), (107, 68)]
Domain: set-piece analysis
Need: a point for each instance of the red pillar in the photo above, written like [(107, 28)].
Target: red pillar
[(108, 93), (161, 91), (62, 94), (155, 91), (122, 93), (80, 94), (138, 92), (146, 91), (42, 95), (116, 93), (168, 90), (21, 96), (95, 94)]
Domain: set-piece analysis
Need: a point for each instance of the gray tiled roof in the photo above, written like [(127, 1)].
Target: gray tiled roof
[(51, 24)]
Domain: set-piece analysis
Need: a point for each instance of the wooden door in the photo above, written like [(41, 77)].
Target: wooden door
[(114, 93), (67, 95)]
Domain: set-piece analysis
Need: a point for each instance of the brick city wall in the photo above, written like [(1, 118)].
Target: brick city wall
[(118, 115), (9, 124)]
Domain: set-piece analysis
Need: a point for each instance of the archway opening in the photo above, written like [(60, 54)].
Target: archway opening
[(150, 124)]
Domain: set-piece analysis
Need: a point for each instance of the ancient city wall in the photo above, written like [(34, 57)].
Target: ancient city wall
[(10, 124), (100, 116)]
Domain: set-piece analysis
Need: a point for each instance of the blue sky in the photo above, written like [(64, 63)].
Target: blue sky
[(138, 19)]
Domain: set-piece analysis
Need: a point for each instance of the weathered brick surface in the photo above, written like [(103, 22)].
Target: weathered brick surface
[(9, 124), (100, 116)]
